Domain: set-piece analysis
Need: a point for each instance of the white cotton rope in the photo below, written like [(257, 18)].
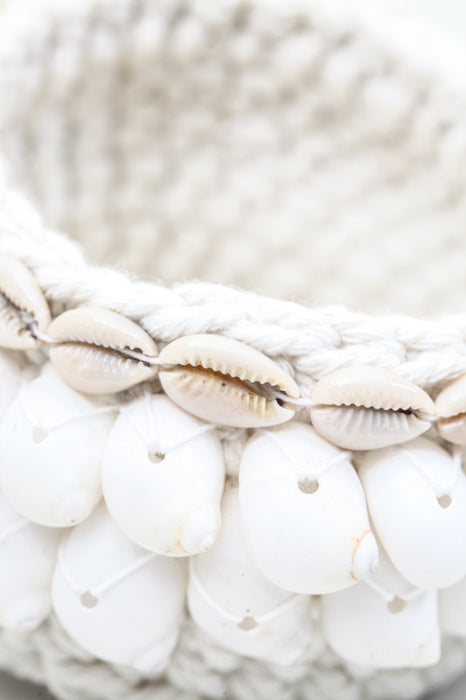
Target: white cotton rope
[(286, 174)]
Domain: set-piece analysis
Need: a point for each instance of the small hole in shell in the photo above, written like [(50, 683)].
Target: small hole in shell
[(38, 435), (88, 600), (156, 457), (308, 485), (396, 605), (444, 501), (247, 623)]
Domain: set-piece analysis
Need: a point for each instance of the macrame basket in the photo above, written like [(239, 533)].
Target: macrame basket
[(286, 179)]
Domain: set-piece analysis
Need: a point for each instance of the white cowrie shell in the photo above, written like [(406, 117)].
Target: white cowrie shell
[(225, 382), (92, 350), (383, 622), (451, 409), (51, 446), (23, 307), (235, 604), (11, 379), (364, 408), (304, 513), (452, 609), (27, 560), (162, 478), (416, 495), (119, 602)]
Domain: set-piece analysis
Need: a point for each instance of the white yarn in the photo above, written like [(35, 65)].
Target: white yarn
[(263, 129), (199, 668), (314, 341), (305, 150)]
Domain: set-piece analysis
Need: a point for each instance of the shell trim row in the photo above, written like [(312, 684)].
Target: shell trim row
[(147, 479), (219, 379)]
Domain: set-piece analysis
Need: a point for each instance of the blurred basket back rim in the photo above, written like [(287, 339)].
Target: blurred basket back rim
[(305, 150)]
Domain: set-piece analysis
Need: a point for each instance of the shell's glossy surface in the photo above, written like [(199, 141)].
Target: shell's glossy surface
[(243, 611), (452, 399), (416, 495), (451, 408), (27, 560), (372, 387), (453, 429), (226, 382), (168, 503), (362, 408), (389, 624), (11, 378), (119, 602), (304, 513), (51, 447), (90, 350), (452, 609), (22, 305)]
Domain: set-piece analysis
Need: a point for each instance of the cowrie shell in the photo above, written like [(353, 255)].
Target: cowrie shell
[(238, 607), (90, 346), (119, 602), (162, 477), (11, 378), (226, 382), (22, 306), (307, 540), (51, 446), (451, 409), (27, 559), (383, 622), (416, 495), (452, 609), (364, 408)]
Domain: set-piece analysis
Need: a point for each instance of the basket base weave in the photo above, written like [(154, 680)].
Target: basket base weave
[(199, 669)]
